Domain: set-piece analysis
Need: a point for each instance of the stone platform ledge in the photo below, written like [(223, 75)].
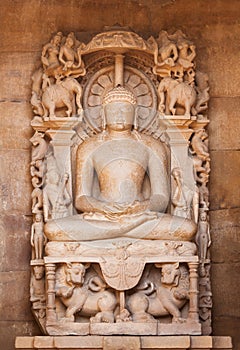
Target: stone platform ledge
[(123, 342)]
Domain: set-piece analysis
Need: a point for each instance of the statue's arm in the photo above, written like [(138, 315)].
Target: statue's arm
[(84, 201), (159, 179), (61, 53)]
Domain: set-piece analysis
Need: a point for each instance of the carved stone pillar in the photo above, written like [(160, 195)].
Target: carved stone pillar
[(193, 292), (61, 141), (51, 307)]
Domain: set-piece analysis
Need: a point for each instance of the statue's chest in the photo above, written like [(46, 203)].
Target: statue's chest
[(122, 155)]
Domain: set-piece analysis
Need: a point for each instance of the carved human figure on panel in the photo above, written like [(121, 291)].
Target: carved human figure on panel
[(203, 239), (37, 200), (130, 173), (186, 53), (38, 239), (182, 199), (167, 50), (50, 54), (37, 289), (70, 57), (56, 197)]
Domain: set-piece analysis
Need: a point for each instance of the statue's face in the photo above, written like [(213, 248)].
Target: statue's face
[(119, 115), (38, 272)]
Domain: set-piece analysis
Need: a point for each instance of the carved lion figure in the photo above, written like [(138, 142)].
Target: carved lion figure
[(177, 92), (66, 92), (167, 296), (87, 298)]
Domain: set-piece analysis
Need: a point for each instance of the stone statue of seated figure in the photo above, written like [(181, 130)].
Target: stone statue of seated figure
[(122, 183)]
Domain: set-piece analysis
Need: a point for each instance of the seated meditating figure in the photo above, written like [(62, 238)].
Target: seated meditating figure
[(122, 183)]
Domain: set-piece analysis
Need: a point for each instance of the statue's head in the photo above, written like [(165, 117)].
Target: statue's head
[(38, 217), (119, 109), (38, 271)]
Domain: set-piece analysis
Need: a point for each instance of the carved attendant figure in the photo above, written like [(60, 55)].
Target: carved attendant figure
[(50, 54), (122, 183), (55, 196), (68, 56), (38, 239)]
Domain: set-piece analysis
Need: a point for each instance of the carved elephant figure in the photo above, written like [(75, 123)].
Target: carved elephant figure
[(67, 93), (87, 299), (177, 92), (163, 299)]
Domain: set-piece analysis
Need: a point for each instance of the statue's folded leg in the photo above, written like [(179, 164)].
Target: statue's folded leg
[(168, 227), (154, 226), (77, 228)]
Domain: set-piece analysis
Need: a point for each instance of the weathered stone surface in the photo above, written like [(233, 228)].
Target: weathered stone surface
[(16, 252), (222, 342), (16, 75), (217, 41), (15, 130), (15, 181), (120, 343), (224, 127), (84, 342), (229, 325), (125, 342), (127, 328), (225, 235), (9, 330), (225, 288), (14, 291), (201, 342), (224, 180), (166, 342)]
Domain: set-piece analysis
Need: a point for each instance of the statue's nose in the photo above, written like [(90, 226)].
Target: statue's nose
[(120, 117)]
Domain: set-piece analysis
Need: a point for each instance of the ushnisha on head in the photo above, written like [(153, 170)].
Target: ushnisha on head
[(119, 94), (119, 106)]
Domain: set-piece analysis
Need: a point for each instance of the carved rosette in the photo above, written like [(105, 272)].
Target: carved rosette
[(69, 280)]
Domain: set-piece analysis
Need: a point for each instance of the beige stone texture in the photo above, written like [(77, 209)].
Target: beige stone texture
[(15, 253), (166, 342), (224, 179), (15, 116), (226, 136), (12, 329), (124, 342), (95, 342), (214, 28), (225, 228), (14, 192)]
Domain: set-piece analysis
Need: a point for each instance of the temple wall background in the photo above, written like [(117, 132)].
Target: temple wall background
[(214, 26)]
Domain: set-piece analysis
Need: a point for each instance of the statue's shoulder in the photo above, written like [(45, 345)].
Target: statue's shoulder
[(152, 143), (89, 145)]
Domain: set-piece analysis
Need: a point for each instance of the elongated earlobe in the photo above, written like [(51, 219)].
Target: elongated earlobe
[(103, 119), (136, 119)]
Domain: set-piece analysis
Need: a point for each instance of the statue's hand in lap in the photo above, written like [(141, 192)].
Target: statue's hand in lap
[(115, 210)]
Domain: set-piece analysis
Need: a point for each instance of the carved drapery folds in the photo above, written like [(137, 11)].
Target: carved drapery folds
[(144, 286)]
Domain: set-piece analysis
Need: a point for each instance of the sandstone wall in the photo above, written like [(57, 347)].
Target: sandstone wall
[(25, 26)]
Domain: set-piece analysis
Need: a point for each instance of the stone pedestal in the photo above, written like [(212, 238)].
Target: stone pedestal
[(124, 342)]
